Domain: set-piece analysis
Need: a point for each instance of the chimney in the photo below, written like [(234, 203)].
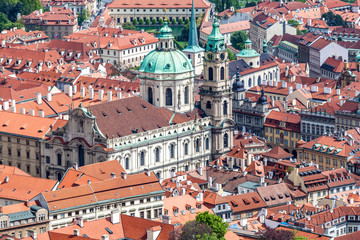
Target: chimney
[(22, 111), (48, 97), (88, 181), (41, 113), (200, 197), (118, 95), (183, 191), (290, 90), (70, 93), (112, 175), (13, 102), (244, 173), (115, 216), (147, 172), (166, 219), (284, 84), (351, 200), (6, 105), (82, 92), (153, 233), (338, 91), (76, 232), (31, 112), (13, 109), (79, 221), (38, 98), (199, 171), (123, 175), (262, 181), (309, 22), (109, 96), (91, 92), (217, 186), (32, 234), (105, 237), (101, 94), (75, 89), (210, 181)]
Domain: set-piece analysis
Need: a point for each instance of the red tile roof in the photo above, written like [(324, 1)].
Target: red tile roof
[(246, 202), (292, 121)]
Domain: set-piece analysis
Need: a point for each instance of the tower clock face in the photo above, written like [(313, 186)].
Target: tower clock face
[(222, 56), (210, 56)]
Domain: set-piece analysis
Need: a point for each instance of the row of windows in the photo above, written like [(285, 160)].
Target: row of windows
[(19, 141), (169, 96), (10, 153), (225, 107)]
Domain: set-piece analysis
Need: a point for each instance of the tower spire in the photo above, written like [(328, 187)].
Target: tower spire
[(193, 43)]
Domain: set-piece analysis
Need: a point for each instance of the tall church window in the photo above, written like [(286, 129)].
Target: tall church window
[(127, 164), (226, 140), (225, 108), (211, 74), (250, 82), (208, 105), (157, 155), (186, 95), (207, 144), (59, 159), (259, 81), (172, 151), (222, 73), (186, 149), (168, 97), (150, 95), (197, 145), (142, 158), (270, 76)]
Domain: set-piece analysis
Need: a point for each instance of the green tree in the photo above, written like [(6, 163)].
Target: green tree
[(84, 15), (273, 234), (154, 21), (238, 39), (161, 21), (181, 21), (187, 21), (334, 19), (173, 21), (231, 55), (293, 23), (194, 230), (207, 237), (5, 23), (148, 22), (128, 26), (141, 21), (250, 4), (218, 226), (134, 21), (185, 32), (301, 32)]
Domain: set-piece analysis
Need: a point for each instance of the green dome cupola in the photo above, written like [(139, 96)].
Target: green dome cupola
[(165, 58), (215, 39)]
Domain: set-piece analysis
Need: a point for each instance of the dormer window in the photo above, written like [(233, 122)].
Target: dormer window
[(69, 54), (8, 61), (28, 63), (17, 62), (109, 44)]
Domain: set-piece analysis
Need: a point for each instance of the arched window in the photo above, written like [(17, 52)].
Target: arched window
[(207, 144), (211, 74), (186, 149), (249, 83), (259, 81), (59, 159), (168, 97), (157, 155), (158, 175), (59, 176), (208, 105), (172, 151), (150, 95), (186, 168), (186, 95), (197, 145), (222, 73), (127, 164), (225, 112), (270, 76), (166, 45), (142, 158), (226, 140)]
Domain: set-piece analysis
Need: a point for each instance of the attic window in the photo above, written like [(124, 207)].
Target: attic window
[(104, 114), (109, 231), (272, 197), (287, 195), (128, 109), (266, 199), (280, 196), (144, 106)]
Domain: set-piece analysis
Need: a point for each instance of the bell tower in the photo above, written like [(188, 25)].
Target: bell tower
[(216, 94)]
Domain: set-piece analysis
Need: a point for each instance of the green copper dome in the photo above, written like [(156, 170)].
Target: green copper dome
[(358, 57), (165, 58), (165, 32), (173, 61), (248, 51), (215, 39)]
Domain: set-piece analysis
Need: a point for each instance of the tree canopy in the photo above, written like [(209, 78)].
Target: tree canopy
[(273, 234), (293, 23), (238, 39), (218, 226), (193, 230), (334, 19), (12, 7), (129, 26)]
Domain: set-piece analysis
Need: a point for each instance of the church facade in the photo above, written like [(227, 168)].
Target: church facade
[(163, 131)]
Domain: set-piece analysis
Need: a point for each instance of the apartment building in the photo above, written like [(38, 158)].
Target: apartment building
[(283, 129), (57, 23), (123, 11)]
